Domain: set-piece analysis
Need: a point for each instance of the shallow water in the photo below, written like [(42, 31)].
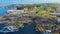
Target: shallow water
[(58, 19)]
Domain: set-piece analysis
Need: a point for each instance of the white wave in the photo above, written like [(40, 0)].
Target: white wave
[(9, 29)]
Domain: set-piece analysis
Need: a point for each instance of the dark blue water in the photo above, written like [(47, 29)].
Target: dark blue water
[(27, 29)]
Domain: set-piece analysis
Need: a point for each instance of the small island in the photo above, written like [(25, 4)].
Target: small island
[(41, 16)]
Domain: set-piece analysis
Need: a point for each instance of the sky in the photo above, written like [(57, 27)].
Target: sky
[(6, 2)]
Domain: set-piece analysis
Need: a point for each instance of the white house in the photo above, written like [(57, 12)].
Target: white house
[(15, 11)]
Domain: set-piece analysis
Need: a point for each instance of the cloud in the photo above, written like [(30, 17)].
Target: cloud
[(43, 1), (40, 1), (52, 1), (49, 1)]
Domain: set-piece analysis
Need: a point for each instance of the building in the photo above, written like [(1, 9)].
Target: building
[(48, 32), (15, 11), (58, 10)]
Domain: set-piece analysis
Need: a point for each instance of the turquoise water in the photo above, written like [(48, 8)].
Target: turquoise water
[(27, 29), (3, 11)]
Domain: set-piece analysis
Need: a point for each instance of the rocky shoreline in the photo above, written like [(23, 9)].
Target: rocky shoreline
[(39, 22)]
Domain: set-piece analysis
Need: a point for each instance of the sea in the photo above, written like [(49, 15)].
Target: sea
[(27, 29)]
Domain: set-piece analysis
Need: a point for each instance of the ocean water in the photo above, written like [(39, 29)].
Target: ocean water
[(3, 11), (58, 19), (27, 29)]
